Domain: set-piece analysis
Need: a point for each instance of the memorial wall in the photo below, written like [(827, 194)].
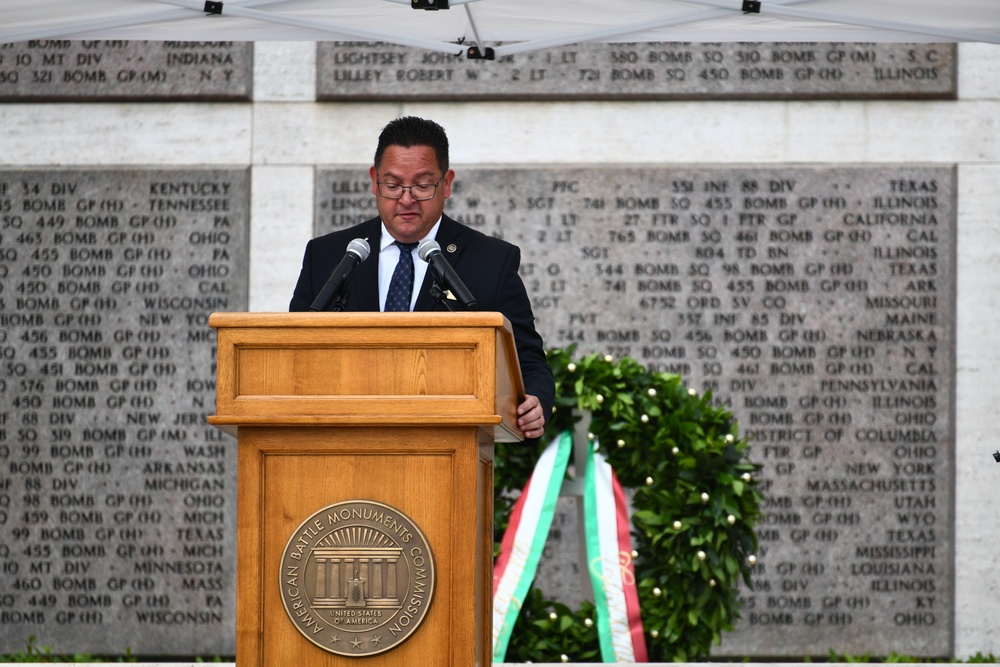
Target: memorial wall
[(104, 71), (117, 500), (818, 302), (656, 71)]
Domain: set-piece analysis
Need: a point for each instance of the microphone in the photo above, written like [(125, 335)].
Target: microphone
[(357, 252), (429, 250)]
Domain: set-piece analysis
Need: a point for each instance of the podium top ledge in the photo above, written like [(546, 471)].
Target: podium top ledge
[(296, 369), (221, 320)]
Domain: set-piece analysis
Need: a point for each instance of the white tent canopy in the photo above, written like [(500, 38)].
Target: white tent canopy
[(517, 25)]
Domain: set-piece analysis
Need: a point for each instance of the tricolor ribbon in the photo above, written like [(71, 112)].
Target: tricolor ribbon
[(609, 553), (609, 556), (524, 540)]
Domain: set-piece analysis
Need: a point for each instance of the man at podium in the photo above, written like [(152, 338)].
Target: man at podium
[(411, 180)]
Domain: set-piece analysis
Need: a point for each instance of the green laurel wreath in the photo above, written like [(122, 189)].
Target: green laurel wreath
[(695, 504)]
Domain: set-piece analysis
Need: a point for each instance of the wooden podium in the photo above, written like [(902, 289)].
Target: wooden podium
[(400, 409)]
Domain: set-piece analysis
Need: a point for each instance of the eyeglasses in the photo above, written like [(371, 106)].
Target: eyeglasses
[(419, 191)]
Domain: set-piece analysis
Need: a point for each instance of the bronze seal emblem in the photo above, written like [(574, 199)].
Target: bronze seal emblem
[(357, 578)]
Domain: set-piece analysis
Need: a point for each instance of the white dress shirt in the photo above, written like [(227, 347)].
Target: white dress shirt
[(388, 256)]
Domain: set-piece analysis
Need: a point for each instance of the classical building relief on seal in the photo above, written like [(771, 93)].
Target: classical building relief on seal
[(357, 578)]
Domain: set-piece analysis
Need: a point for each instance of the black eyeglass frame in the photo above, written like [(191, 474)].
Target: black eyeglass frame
[(402, 187)]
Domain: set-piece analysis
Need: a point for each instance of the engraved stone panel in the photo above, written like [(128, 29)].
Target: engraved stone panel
[(646, 71), (816, 302), (54, 70), (117, 500)]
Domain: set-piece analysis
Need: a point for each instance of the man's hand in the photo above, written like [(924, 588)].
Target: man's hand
[(530, 417)]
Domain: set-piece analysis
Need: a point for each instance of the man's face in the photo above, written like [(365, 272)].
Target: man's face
[(407, 219)]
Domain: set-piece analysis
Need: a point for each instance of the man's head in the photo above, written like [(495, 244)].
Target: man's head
[(410, 131), (411, 152)]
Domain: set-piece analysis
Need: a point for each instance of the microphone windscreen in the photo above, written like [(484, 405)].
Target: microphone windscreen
[(360, 248), (426, 248)]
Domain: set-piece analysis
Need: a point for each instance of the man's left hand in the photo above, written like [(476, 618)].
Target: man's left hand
[(530, 417)]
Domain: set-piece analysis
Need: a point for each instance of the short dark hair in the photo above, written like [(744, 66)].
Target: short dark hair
[(410, 131)]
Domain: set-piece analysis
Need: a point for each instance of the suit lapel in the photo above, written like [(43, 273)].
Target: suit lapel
[(448, 237), (365, 279)]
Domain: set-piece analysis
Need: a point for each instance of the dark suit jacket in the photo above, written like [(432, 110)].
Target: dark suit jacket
[(487, 266)]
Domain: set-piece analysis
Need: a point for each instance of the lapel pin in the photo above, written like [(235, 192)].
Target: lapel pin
[(452, 247)]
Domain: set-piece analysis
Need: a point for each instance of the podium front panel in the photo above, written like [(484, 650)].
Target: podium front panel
[(429, 474)]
